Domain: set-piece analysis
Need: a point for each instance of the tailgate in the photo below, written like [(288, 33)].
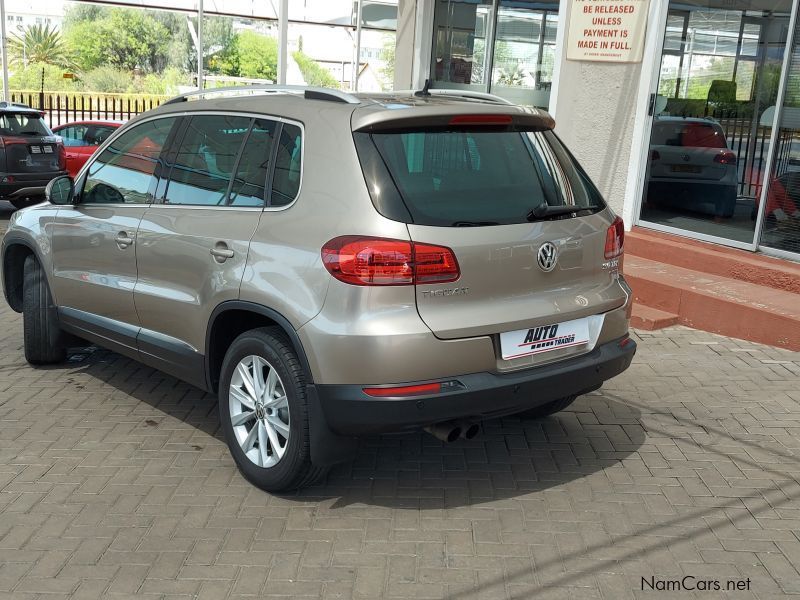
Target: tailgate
[(503, 288)]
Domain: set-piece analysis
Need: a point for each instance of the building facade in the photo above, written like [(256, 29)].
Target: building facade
[(700, 138)]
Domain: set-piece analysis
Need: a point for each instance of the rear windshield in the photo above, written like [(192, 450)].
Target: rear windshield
[(472, 177), (22, 124), (691, 135)]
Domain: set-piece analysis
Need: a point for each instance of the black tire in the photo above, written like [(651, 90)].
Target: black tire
[(551, 408), (294, 469), (44, 340), (25, 202)]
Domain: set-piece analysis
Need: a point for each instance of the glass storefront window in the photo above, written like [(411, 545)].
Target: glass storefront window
[(506, 47), (719, 74), (780, 226)]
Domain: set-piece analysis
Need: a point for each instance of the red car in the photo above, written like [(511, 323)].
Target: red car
[(82, 138)]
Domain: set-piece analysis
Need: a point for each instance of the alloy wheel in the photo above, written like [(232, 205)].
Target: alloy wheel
[(259, 411)]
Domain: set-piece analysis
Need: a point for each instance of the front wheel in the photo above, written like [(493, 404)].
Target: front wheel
[(264, 412), (44, 341), (545, 410)]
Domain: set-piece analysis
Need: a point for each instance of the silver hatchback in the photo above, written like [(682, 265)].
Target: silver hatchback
[(332, 265)]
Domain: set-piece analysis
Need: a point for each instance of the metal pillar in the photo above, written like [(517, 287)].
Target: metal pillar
[(199, 44), (4, 52), (357, 60), (283, 35)]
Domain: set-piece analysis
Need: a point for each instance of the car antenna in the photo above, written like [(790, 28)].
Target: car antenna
[(424, 91)]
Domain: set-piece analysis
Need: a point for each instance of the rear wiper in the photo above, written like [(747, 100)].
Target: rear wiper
[(473, 223), (544, 211)]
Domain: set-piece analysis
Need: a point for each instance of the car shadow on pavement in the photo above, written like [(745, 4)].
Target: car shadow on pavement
[(510, 457)]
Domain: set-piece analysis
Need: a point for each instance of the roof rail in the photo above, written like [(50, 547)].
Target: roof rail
[(309, 92), (467, 94)]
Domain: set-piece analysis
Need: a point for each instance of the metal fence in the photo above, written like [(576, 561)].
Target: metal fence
[(66, 107)]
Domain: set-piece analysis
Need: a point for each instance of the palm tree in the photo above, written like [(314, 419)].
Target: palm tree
[(40, 44)]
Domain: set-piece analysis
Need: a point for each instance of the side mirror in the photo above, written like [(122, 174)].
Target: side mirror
[(60, 190)]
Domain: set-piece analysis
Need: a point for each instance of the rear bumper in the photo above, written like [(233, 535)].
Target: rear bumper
[(349, 411), (27, 185)]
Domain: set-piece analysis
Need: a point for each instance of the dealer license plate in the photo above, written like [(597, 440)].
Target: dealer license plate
[(545, 338), (685, 169)]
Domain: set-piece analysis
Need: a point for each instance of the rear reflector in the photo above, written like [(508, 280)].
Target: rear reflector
[(378, 261), (615, 239), (404, 390), (481, 120)]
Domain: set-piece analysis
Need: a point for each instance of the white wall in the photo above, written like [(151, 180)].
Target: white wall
[(601, 113)]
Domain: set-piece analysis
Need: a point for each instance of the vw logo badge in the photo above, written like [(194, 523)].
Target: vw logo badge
[(547, 256), (686, 157)]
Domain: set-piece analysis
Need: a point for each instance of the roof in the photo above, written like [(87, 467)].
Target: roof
[(116, 122), (366, 110)]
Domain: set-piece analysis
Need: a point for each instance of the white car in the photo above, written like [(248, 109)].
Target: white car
[(691, 166)]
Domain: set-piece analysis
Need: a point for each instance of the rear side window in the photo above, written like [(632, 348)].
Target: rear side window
[(689, 134), (22, 124), (478, 177), (288, 167), (206, 159), (251, 172)]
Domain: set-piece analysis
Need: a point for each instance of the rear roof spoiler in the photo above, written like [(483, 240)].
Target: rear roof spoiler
[(512, 118)]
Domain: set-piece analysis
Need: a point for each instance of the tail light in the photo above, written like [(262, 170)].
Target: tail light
[(615, 238), (378, 261), (725, 157), (62, 157), (655, 155)]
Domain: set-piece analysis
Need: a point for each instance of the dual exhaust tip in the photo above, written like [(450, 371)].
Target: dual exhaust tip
[(450, 431)]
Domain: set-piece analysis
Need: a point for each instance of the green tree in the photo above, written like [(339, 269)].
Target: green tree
[(313, 72), (40, 44), (249, 54), (387, 56), (124, 38), (30, 78)]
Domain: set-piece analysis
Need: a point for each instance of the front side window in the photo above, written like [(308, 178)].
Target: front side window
[(206, 159), (286, 181), (124, 172)]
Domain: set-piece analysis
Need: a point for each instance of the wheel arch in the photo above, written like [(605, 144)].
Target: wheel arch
[(15, 251), (234, 317)]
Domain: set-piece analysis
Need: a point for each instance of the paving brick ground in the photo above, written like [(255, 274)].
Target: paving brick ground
[(114, 483)]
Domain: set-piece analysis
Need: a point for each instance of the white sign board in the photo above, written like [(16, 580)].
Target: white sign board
[(607, 30)]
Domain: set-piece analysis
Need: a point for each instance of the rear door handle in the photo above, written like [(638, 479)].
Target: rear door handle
[(221, 252)]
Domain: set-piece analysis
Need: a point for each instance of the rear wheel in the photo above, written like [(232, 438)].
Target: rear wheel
[(264, 412), (545, 410), (44, 341)]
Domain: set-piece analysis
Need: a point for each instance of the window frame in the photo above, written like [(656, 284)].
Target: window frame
[(80, 178), (158, 197)]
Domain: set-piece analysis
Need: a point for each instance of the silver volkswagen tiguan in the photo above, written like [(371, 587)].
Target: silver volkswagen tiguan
[(332, 265)]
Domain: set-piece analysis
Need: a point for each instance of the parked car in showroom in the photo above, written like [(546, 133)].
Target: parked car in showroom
[(332, 265), (691, 166), (82, 138), (30, 155)]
